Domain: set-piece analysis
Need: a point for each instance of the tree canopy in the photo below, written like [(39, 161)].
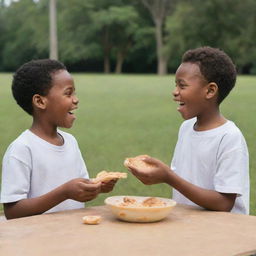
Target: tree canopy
[(127, 36)]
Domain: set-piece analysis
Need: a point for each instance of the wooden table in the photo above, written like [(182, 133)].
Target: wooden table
[(186, 231)]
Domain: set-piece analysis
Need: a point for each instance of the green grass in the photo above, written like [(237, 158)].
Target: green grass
[(127, 115)]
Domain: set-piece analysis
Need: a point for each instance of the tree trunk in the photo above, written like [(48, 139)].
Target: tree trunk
[(106, 49), (161, 59), (106, 63), (53, 30), (119, 62), (162, 66), (159, 10)]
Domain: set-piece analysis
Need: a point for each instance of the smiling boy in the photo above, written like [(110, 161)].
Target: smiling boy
[(210, 165), (43, 169)]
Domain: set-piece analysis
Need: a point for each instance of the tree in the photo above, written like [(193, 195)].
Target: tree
[(19, 37), (2, 31), (97, 30), (122, 32), (53, 30), (159, 10), (228, 25), (117, 26), (77, 39)]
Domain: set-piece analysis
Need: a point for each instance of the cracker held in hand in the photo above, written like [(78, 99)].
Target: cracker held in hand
[(105, 176), (137, 162)]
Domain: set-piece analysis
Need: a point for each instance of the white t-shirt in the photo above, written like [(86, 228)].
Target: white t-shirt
[(32, 167), (216, 159)]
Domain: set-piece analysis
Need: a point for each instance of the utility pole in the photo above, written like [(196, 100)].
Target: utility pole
[(53, 30)]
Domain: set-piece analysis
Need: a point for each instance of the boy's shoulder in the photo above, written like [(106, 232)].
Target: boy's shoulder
[(27, 140), (20, 145), (232, 133), (229, 126), (228, 130), (22, 139)]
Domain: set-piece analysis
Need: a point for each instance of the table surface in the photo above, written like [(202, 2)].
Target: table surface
[(186, 231)]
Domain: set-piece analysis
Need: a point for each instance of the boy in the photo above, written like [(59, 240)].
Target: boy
[(210, 162), (43, 169)]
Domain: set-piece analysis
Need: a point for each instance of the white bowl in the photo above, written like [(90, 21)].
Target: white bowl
[(135, 213)]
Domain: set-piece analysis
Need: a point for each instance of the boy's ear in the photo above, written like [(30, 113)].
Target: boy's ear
[(212, 90), (39, 101)]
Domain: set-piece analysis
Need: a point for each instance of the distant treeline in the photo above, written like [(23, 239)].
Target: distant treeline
[(136, 36)]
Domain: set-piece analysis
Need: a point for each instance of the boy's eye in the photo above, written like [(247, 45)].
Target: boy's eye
[(70, 93), (181, 86)]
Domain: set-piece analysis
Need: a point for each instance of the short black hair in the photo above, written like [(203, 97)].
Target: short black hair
[(34, 77), (216, 66)]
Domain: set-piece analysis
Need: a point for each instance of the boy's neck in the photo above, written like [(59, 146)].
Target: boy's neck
[(211, 121), (48, 134)]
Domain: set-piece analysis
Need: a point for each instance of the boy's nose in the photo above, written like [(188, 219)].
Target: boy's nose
[(75, 99), (175, 92)]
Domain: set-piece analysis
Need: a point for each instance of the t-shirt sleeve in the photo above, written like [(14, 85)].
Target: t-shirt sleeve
[(233, 165), (16, 174)]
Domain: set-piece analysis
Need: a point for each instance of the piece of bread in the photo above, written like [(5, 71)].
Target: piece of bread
[(105, 176), (137, 162), (92, 219)]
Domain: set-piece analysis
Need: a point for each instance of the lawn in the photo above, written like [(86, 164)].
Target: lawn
[(126, 115)]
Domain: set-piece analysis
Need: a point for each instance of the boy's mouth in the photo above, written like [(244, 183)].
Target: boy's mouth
[(71, 112), (181, 104)]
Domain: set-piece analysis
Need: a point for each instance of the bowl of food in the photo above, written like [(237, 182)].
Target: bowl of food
[(140, 208)]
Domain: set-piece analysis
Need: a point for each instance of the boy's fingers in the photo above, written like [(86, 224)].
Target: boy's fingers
[(113, 181), (150, 160), (132, 170), (136, 173), (91, 186), (88, 181)]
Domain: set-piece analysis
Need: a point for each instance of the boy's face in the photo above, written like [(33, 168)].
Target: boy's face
[(61, 100), (190, 91)]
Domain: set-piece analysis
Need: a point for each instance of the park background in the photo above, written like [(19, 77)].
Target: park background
[(123, 56)]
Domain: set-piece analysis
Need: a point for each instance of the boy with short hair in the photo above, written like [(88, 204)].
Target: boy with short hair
[(210, 165), (43, 169)]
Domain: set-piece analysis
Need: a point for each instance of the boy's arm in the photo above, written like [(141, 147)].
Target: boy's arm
[(77, 189), (209, 199), (161, 173)]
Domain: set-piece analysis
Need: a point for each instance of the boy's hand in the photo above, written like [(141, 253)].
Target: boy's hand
[(81, 190), (157, 173), (108, 186)]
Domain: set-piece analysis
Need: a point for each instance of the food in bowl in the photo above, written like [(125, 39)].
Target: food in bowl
[(139, 208), (148, 202), (128, 201), (153, 201)]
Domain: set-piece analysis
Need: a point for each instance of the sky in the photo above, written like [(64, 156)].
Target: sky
[(7, 2)]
